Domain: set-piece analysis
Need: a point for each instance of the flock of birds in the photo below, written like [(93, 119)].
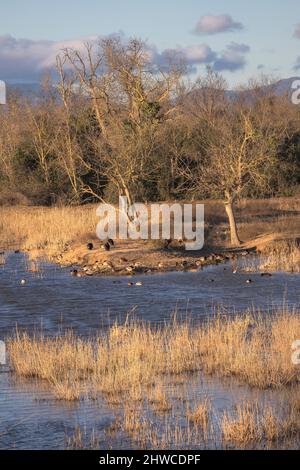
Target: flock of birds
[(110, 243)]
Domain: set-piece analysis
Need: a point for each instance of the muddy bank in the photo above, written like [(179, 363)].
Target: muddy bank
[(142, 257)]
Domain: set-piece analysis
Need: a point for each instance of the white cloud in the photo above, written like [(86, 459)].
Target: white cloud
[(213, 24), (27, 59), (297, 31)]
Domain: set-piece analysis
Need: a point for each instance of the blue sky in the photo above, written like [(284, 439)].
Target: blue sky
[(247, 39)]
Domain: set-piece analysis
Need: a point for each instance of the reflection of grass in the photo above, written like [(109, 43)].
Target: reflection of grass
[(131, 365), (282, 256)]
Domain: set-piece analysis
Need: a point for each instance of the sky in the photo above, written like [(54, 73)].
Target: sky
[(239, 39)]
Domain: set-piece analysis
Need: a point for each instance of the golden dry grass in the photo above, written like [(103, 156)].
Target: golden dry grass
[(36, 228), (281, 256), (132, 366), (54, 229), (130, 357)]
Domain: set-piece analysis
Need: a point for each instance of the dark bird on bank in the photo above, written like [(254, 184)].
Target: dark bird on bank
[(167, 243), (106, 246), (266, 274), (111, 242), (90, 246)]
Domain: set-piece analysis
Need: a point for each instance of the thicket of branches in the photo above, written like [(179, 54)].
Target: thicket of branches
[(111, 123)]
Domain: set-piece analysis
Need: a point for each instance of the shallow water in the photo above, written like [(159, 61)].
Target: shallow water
[(53, 300)]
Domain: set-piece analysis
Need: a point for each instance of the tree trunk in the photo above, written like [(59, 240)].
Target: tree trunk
[(232, 223)]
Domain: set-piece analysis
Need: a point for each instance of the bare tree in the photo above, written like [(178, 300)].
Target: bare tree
[(239, 146), (127, 94)]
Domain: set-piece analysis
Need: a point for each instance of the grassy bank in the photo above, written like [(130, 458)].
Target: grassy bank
[(62, 234)]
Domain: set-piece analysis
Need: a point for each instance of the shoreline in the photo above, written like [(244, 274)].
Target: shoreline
[(135, 258)]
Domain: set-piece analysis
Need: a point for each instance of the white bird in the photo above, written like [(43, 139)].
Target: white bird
[(23, 281)]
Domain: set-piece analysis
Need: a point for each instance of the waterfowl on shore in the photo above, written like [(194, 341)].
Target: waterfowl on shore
[(249, 281), (167, 243), (90, 246), (234, 271), (266, 274), (106, 246), (111, 242), (74, 272)]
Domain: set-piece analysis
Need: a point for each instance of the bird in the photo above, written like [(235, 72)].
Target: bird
[(23, 281), (106, 246), (167, 243), (234, 271), (130, 284), (74, 272), (249, 281), (266, 274), (111, 242), (90, 246), (138, 283)]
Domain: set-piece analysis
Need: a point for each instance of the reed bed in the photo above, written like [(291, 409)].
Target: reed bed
[(133, 366), (281, 256), (45, 228), (256, 349)]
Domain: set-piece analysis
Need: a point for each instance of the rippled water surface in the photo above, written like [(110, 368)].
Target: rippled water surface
[(53, 300)]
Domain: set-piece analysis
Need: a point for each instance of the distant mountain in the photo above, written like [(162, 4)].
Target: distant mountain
[(25, 89), (279, 88), (284, 86)]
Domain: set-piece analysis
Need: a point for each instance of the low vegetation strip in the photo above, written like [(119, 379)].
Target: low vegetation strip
[(255, 348)]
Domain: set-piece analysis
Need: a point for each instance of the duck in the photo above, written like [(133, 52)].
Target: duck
[(90, 246), (23, 282), (111, 242), (74, 272), (138, 283), (106, 246), (249, 281), (167, 243), (266, 274)]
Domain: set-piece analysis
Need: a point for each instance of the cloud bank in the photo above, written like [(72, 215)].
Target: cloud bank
[(214, 24), (28, 60), (232, 58)]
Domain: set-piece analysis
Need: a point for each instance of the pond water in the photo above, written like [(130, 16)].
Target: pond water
[(52, 300)]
